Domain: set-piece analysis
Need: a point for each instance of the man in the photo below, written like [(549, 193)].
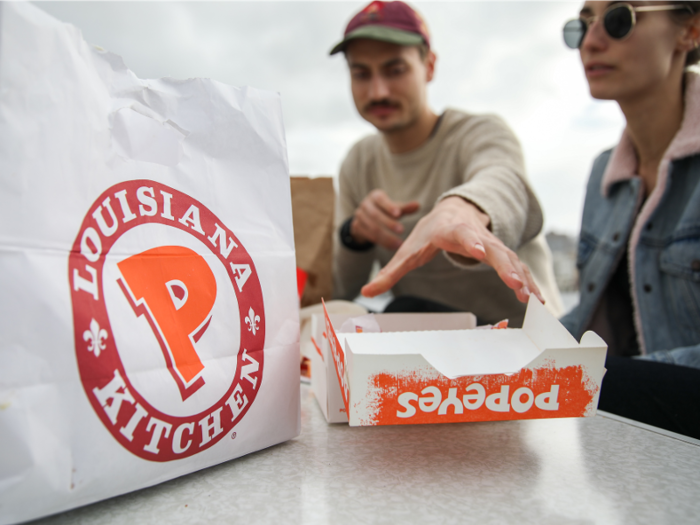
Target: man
[(426, 183)]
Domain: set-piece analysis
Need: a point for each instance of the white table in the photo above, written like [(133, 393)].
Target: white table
[(595, 470)]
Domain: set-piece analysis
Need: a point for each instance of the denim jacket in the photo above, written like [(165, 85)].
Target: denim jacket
[(663, 240)]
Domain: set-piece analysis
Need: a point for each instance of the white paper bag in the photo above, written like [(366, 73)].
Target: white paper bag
[(149, 321)]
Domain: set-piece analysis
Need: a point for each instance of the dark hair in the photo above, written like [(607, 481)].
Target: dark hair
[(680, 16)]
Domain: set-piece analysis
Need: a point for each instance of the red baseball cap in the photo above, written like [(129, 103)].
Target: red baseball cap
[(394, 22)]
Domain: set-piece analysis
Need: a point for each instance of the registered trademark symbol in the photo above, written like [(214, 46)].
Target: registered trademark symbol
[(233, 435)]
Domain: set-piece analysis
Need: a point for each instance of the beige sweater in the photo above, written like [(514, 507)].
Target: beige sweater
[(476, 157)]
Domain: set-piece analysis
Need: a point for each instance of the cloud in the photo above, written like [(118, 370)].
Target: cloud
[(501, 57)]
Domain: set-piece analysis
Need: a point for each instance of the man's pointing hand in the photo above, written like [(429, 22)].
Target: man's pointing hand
[(376, 220)]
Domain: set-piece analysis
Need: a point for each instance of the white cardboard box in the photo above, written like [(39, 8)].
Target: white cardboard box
[(324, 380), (440, 374)]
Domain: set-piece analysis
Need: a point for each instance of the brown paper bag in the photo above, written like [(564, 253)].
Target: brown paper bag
[(312, 209)]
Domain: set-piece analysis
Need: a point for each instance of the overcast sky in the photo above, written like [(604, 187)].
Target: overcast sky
[(500, 57)]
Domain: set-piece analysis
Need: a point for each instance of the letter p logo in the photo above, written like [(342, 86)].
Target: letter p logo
[(175, 289)]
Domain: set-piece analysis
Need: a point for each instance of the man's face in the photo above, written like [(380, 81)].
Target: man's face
[(389, 82)]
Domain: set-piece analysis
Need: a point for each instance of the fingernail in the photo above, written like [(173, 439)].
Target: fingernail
[(479, 247), (516, 277), (526, 290)]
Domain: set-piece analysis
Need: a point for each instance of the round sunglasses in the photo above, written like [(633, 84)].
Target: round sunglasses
[(618, 21)]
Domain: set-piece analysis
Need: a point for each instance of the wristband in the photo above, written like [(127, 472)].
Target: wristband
[(349, 241)]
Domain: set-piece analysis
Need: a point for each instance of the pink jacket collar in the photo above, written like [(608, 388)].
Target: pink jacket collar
[(623, 162)]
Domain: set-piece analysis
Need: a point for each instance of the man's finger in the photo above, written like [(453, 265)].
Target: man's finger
[(484, 246), (388, 276), (375, 219), (381, 232), (384, 280), (375, 232), (377, 286), (409, 208), (405, 260), (467, 243), (533, 288), (380, 217), (518, 277), (509, 269), (528, 283), (383, 202)]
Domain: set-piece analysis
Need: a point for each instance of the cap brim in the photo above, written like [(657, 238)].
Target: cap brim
[(382, 33)]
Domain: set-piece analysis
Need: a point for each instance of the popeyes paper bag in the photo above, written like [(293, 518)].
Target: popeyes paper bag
[(149, 321)]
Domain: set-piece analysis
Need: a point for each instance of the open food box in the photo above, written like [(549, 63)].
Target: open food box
[(440, 368)]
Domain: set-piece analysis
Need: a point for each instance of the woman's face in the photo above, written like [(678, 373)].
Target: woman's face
[(650, 57)]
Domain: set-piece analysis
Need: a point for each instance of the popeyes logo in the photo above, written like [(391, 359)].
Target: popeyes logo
[(169, 320), (543, 392)]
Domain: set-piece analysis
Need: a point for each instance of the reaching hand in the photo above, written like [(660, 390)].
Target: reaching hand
[(456, 226), (376, 220)]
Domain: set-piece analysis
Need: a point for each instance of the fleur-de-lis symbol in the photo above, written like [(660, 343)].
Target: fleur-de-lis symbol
[(95, 338), (252, 321)]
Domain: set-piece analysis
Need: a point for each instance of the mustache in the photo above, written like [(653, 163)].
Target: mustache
[(382, 103)]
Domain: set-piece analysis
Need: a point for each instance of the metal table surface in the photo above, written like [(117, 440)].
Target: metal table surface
[(560, 471)]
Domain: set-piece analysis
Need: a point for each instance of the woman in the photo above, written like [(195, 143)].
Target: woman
[(639, 251)]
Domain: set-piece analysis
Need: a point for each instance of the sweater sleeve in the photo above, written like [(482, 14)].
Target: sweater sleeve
[(494, 180), (351, 269)]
